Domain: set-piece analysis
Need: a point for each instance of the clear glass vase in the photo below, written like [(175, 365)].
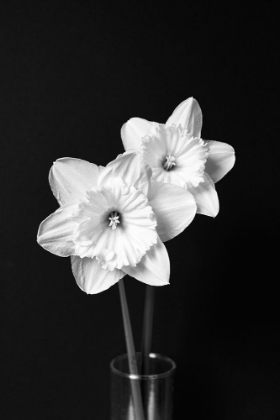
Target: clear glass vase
[(156, 388)]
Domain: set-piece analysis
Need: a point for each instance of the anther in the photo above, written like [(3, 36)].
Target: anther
[(114, 219), (170, 162)]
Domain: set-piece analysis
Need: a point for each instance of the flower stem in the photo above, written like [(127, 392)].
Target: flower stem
[(135, 387), (147, 329)]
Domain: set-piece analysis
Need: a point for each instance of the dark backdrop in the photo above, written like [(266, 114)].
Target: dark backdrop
[(70, 76)]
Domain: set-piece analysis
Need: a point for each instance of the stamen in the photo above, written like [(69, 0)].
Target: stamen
[(114, 219), (170, 162)]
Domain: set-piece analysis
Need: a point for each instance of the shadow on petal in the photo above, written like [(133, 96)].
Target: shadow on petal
[(206, 197), (154, 268), (91, 277)]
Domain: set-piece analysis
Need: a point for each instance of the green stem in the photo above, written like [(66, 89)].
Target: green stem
[(147, 329), (135, 387)]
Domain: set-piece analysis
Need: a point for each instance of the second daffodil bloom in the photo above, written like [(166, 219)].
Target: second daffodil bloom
[(112, 221), (177, 154)]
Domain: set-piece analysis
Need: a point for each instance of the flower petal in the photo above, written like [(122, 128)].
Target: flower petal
[(154, 268), (174, 208), (70, 178), (91, 278), (133, 131), (220, 160), (206, 197), (189, 115), (55, 233), (155, 146), (131, 168)]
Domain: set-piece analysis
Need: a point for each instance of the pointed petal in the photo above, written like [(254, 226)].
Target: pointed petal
[(174, 208), (70, 179), (220, 160), (55, 233), (91, 278), (154, 268), (133, 131), (131, 168), (189, 115), (206, 197)]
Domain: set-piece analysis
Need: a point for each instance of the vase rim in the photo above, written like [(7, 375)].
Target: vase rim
[(151, 376)]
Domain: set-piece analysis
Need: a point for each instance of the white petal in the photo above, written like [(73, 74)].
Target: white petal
[(206, 197), (154, 268), (174, 208), (133, 131), (55, 233), (156, 146), (91, 278), (189, 115), (220, 160), (131, 168), (70, 179), (169, 177)]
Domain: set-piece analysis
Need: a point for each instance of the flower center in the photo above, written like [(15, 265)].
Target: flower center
[(170, 162), (114, 219)]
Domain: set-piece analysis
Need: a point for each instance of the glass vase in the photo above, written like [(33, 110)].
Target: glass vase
[(156, 388)]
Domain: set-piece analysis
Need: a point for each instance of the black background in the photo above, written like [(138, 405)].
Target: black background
[(70, 75)]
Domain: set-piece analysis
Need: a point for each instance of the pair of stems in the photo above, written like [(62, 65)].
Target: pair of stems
[(145, 347)]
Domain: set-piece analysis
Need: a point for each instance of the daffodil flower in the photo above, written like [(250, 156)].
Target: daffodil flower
[(177, 154), (112, 221)]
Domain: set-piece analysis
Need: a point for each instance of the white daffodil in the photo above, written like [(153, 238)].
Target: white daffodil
[(112, 221), (177, 154)]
